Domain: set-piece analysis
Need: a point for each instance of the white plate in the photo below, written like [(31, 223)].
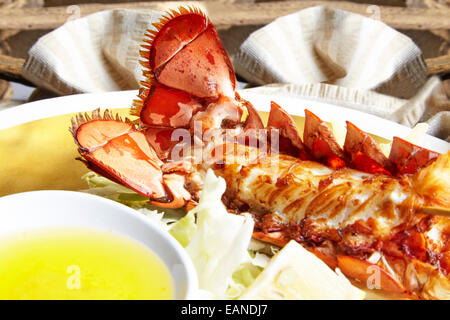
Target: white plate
[(123, 99)]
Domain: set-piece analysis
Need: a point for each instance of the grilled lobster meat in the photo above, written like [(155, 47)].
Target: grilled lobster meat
[(352, 206)]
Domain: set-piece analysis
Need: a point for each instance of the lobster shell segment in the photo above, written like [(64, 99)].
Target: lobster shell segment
[(202, 68), (253, 120), (290, 141), (167, 107), (161, 141), (408, 158), (320, 141), (173, 33), (254, 132), (364, 152)]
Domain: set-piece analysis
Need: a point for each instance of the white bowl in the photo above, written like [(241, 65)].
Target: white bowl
[(41, 209)]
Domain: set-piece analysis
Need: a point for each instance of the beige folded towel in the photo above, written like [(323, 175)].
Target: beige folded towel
[(318, 53)]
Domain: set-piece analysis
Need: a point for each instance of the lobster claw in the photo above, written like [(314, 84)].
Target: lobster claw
[(162, 140), (186, 53), (122, 152), (167, 107), (290, 141), (172, 34), (408, 158), (186, 70), (364, 152), (320, 141), (180, 196)]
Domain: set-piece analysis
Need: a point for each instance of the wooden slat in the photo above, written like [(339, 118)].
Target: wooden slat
[(225, 14), (11, 69), (438, 65), (10, 65)]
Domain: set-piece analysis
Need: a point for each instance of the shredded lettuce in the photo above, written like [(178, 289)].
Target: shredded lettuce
[(157, 217), (219, 242), (246, 274), (184, 229), (106, 188)]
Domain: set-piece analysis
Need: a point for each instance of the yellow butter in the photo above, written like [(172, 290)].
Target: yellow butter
[(80, 264)]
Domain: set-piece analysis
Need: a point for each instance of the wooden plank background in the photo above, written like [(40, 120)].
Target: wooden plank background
[(224, 14), (31, 16)]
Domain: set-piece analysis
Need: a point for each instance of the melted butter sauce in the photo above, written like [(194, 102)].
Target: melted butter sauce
[(80, 264)]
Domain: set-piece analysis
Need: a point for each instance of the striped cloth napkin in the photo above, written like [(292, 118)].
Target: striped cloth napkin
[(319, 53)]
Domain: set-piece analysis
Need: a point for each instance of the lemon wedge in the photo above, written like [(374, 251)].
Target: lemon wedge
[(296, 273)]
